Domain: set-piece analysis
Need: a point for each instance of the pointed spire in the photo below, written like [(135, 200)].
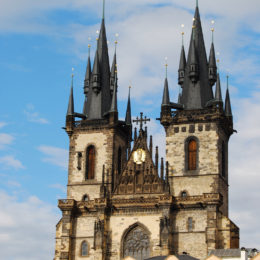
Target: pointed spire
[(114, 98), (166, 98), (87, 75), (96, 75), (228, 110), (182, 66), (112, 75), (196, 88), (70, 111), (128, 116), (212, 66), (84, 112), (218, 94)]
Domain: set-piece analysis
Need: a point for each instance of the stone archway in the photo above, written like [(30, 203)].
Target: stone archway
[(136, 243)]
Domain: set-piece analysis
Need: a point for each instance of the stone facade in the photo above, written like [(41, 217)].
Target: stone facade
[(121, 202)]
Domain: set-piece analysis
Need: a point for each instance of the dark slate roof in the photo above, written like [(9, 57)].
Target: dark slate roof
[(196, 96), (166, 98), (128, 116), (181, 257), (226, 252), (70, 111)]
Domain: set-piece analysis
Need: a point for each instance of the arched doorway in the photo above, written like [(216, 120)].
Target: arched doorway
[(136, 243)]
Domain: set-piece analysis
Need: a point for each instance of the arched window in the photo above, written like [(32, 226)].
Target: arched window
[(85, 198), (119, 160), (192, 155), (136, 244), (223, 148), (84, 249), (183, 194), (90, 163)]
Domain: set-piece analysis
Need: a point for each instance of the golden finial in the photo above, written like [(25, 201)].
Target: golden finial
[(116, 41), (89, 46), (212, 30), (182, 34), (72, 74), (166, 66), (97, 32)]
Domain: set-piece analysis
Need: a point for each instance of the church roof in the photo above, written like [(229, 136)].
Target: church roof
[(226, 252), (181, 257)]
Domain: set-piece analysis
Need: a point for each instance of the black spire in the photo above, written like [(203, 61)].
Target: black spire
[(228, 110), (87, 77), (70, 111), (128, 116), (182, 66), (96, 86), (212, 66), (84, 112), (114, 97), (194, 66), (166, 98), (218, 94), (196, 87), (112, 75), (99, 95)]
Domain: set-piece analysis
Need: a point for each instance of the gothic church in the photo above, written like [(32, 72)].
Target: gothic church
[(121, 199)]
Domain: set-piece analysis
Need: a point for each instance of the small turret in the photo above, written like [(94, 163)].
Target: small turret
[(96, 75), (70, 121), (228, 110), (212, 66), (84, 111), (194, 66), (166, 98), (128, 117), (182, 67), (113, 109), (87, 76), (218, 94), (113, 74)]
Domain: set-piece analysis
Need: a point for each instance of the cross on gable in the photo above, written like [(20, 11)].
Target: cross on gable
[(142, 120)]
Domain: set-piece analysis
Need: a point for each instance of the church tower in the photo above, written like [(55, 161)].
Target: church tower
[(122, 200), (198, 128)]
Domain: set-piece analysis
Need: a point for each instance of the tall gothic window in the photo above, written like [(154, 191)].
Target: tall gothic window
[(119, 160), (223, 159), (190, 224), (136, 244), (192, 155), (90, 163), (84, 249)]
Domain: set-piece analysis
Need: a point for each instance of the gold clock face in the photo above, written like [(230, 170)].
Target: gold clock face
[(139, 156)]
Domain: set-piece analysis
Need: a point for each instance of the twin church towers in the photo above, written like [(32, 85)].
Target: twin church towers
[(121, 199)]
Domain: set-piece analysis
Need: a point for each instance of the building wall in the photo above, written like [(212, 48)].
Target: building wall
[(206, 179)]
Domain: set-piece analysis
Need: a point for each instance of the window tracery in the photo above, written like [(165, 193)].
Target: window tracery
[(136, 244)]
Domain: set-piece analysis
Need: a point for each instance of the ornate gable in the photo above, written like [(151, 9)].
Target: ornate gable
[(140, 175)]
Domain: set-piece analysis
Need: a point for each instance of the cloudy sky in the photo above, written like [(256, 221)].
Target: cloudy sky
[(41, 41)]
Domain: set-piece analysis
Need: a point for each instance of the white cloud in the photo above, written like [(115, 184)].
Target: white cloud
[(59, 187), (27, 228), (245, 170), (33, 116), (54, 155), (9, 161), (2, 124), (5, 140)]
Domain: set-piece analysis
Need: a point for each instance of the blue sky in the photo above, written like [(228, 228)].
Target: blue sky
[(40, 41)]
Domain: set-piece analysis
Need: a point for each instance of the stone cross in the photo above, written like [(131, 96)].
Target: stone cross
[(142, 120)]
